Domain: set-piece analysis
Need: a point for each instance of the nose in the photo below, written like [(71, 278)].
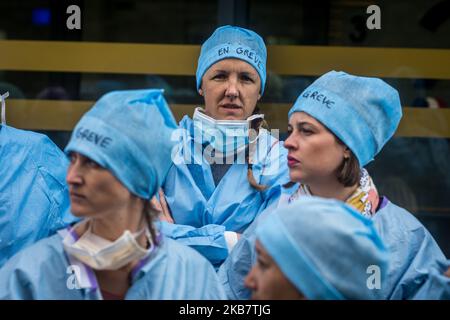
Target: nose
[(232, 90), (290, 143), (250, 281), (74, 176)]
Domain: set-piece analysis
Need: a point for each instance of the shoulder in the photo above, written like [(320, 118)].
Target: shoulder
[(398, 227), (42, 252), (44, 257), (36, 150), (24, 138), (393, 215)]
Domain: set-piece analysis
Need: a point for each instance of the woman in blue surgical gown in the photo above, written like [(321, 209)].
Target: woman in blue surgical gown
[(229, 167), (120, 152), (336, 126), (298, 258)]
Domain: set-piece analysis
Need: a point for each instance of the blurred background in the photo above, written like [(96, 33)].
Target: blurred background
[(54, 74)]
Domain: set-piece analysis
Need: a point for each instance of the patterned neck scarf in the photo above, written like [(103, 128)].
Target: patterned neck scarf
[(364, 199)]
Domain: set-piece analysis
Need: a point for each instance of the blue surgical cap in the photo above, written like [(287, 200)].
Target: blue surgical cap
[(325, 248), (128, 133), (233, 42), (362, 112)]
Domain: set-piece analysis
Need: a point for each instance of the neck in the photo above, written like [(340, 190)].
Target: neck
[(331, 189), (112, 225)]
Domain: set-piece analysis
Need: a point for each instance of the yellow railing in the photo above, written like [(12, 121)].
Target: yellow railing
[(63, 115), (124, 58), (95, 57)]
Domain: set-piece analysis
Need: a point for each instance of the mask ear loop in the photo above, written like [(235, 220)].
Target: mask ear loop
[(2, 99), (150, 241), (255, 125)]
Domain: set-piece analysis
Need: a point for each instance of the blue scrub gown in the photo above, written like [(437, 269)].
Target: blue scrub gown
[(34, 199), (412, 252), (437, 285), (203, 211), (44, 271)]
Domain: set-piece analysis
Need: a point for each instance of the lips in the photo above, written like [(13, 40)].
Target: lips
[(231, 106), (76, 196), (292, 162)]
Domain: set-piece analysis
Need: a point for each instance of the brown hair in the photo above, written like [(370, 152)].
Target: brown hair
[(150, 216), (349, 171)]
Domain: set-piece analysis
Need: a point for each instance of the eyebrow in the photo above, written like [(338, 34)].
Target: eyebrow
[(302, 123), (264, 257), (247, 73), (261, 254), (220, 70)]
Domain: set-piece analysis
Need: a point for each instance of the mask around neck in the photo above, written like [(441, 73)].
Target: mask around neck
[(102, 254)]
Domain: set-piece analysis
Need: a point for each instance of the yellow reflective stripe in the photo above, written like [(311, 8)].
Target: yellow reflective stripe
[(59, 56), (63, 115), (163, 59), (374, 62)]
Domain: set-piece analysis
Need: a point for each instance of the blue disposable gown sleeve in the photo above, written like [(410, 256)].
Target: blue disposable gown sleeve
[(34, 197), (413, 251), (437, 284), (15, 281), (52, 165), (37, 272), (208, 240), (239, 262)]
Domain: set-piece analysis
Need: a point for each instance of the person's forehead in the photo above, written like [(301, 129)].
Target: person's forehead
[(301, 117), (232, 64)]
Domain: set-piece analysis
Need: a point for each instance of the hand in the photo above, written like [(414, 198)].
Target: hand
[(447, 273)]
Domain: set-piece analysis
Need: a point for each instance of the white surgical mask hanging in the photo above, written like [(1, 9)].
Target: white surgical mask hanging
[(2, 98), (102, 254), (225, 136)]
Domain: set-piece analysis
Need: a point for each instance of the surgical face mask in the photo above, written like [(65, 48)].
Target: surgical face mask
[(225, 136), (102, 254)]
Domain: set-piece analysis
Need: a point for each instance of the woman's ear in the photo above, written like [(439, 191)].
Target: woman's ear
[(200, 91), (259, 96), (347, 153)]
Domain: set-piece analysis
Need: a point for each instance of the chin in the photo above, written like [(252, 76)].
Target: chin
[(295, 176), (80, 211), (228, 117), (230, 114)]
